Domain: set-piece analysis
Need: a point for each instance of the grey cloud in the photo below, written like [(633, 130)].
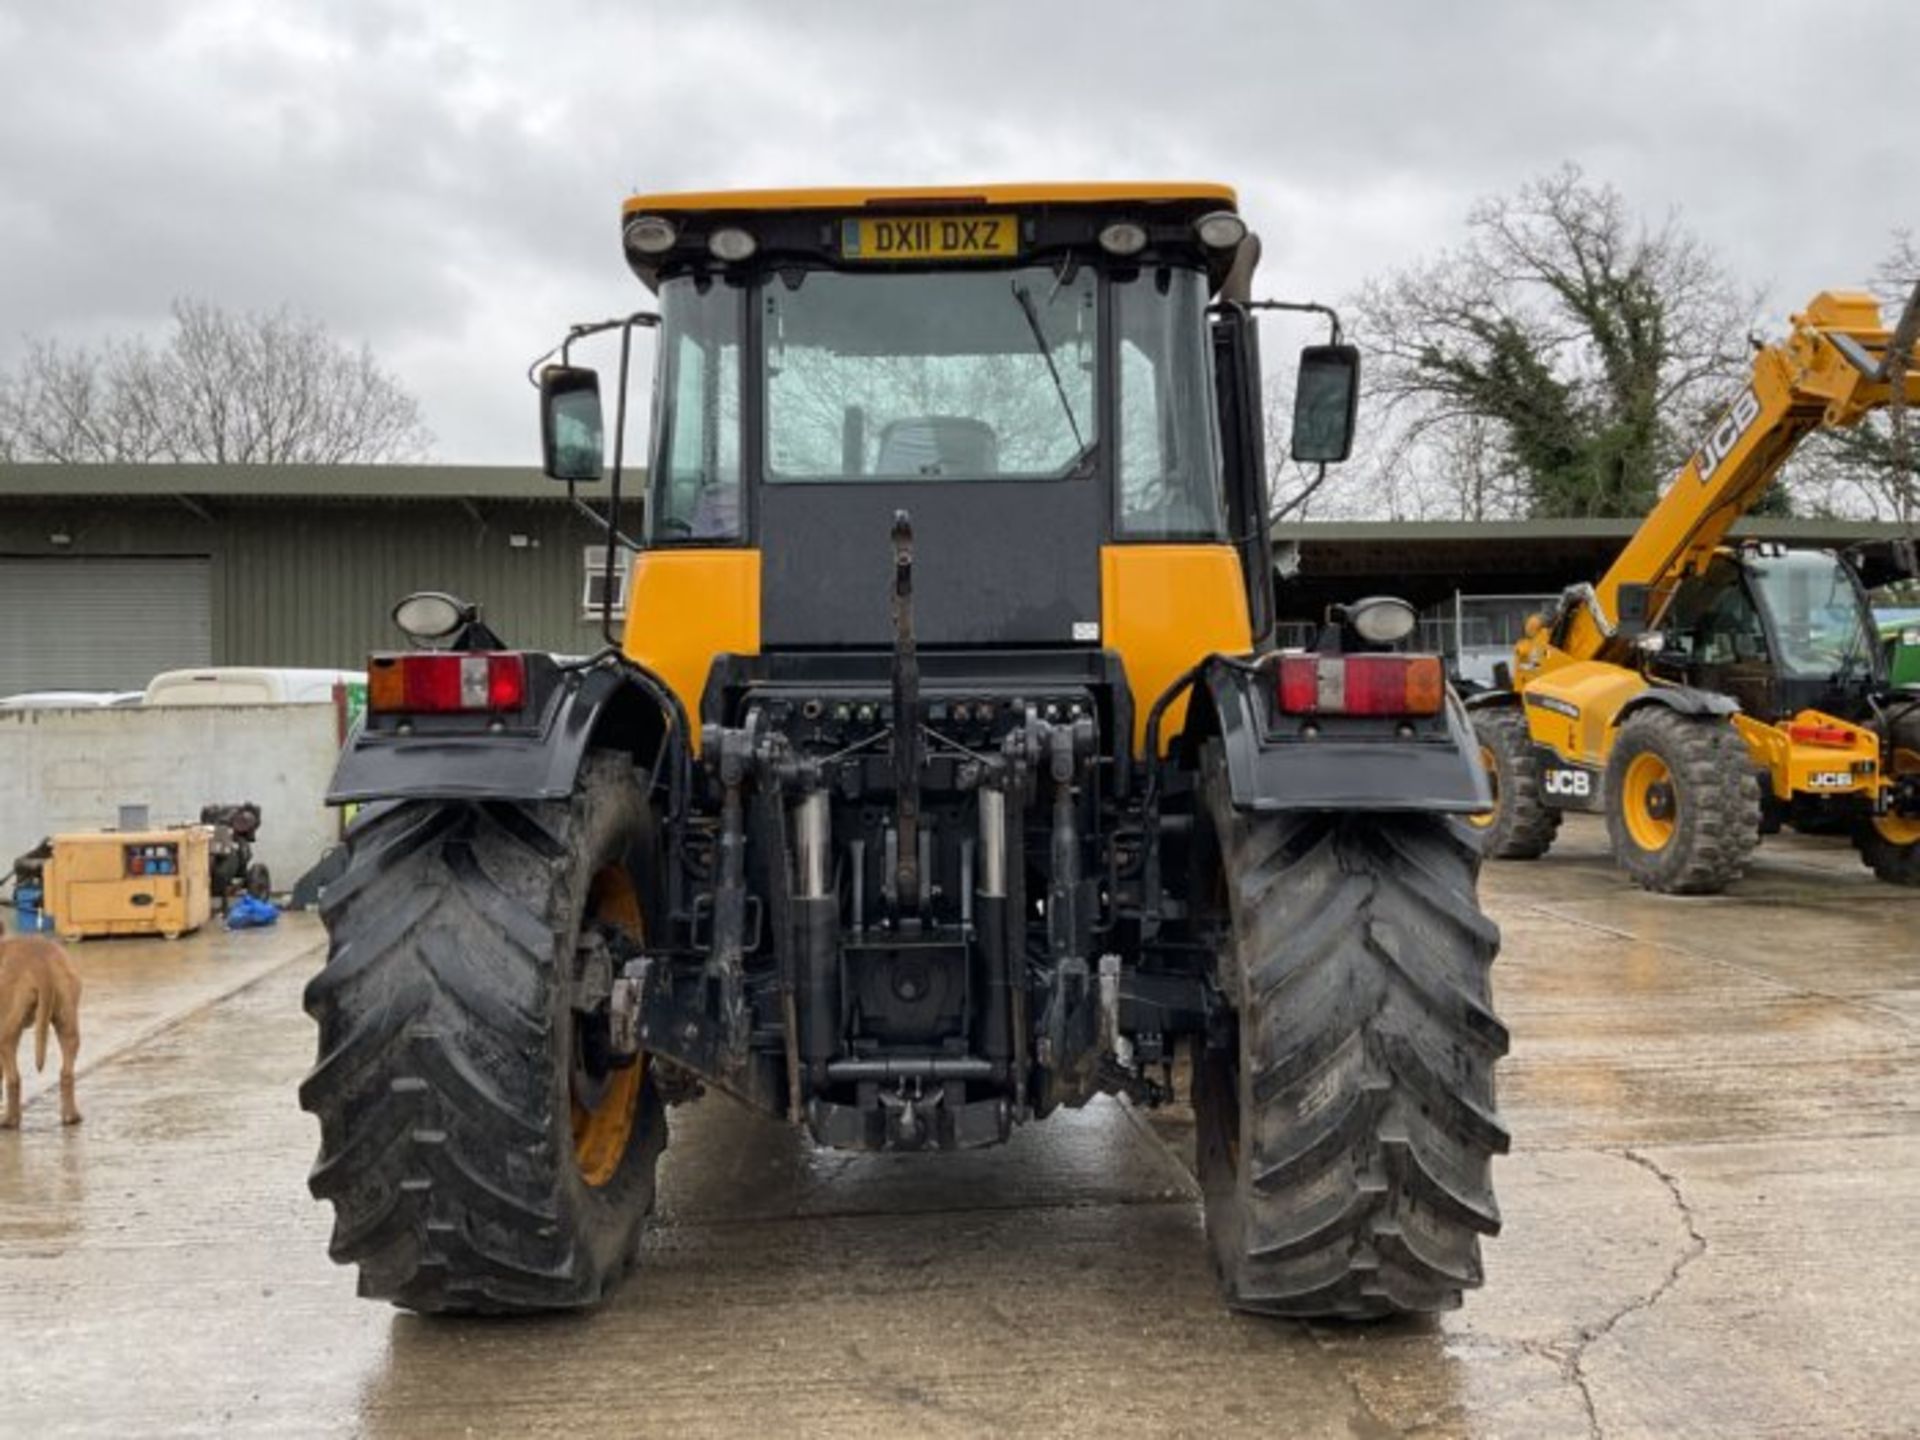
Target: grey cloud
[(443, 180)]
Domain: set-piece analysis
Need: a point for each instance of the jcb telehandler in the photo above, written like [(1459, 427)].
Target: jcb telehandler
[(1702, 692), (944, 775)]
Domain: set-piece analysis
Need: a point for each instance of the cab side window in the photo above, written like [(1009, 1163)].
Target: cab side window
[(696, 440)]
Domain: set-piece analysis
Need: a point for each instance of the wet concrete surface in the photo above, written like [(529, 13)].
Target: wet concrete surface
[(1709, 1228)]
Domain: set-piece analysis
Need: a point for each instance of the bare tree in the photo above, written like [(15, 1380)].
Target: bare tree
[(227, 388), (1563, 354)]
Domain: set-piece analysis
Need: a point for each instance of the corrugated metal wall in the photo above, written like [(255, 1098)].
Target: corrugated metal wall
[(307, 582)]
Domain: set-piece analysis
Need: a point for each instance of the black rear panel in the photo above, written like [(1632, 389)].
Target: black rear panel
[(996, 562)]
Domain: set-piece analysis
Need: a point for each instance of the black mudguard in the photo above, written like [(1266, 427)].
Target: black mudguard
[(1352, 764), (1682, 699), (594, 707)]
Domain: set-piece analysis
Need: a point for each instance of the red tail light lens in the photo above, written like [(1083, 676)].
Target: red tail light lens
[(1835, 735), (1361, 685), (446, 683)]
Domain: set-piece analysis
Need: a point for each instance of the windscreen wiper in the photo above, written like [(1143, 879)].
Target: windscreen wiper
[(1081, 448)]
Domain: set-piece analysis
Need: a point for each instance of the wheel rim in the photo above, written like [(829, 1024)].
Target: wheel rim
[(603, 1115), (1898, 829), (1649, 801), (1484, 819)]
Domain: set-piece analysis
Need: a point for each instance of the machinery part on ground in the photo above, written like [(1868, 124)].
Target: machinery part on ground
[(1682, 802), (1521, 825), (30, 868), (230, 853), (464, 1178), (1346, 1130), (929, 856)]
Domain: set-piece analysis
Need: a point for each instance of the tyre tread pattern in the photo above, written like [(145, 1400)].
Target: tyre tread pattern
[(1366, 1123), (1524, 825), (442, 1149), (1717, 826)]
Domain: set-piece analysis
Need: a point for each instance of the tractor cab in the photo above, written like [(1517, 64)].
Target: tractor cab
[(1053, 383)]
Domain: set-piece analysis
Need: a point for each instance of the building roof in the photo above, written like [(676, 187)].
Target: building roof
[(1428, 560), (860, 197), (316, 482), (1797, 528)]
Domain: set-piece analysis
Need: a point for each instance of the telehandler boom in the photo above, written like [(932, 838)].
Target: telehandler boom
[(1700, 692)]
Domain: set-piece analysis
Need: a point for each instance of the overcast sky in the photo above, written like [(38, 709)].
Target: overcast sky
[(443, 180)]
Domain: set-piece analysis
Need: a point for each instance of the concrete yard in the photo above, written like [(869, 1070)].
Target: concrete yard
[(1710, 1226)]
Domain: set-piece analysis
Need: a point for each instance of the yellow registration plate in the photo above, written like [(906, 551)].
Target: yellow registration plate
[(930, 237)]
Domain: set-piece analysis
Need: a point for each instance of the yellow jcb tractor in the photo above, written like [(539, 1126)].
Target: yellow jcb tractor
[(1703, 692), (944, 773)]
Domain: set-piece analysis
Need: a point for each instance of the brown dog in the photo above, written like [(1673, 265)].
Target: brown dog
[(38, 987)]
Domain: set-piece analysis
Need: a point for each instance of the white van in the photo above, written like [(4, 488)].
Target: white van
[(248, 685)]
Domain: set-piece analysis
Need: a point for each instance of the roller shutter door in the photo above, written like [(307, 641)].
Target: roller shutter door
[(83, 623)]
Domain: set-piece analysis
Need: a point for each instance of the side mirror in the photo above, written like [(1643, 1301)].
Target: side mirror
[(1326, 399), (1632, 603), (571, 443)]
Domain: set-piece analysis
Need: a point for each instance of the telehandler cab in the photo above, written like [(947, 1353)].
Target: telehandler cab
[(1703, 692), (944, 775)]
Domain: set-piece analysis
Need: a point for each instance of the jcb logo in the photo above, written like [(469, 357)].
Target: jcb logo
[(1732, 426), (1576, 783)]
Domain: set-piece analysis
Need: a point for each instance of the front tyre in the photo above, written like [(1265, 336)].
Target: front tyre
[(1346, 1135), (480, 1150), (1682, 802)]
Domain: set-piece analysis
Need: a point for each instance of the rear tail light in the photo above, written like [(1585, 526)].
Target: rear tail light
[(1837, 736), (1361, 685), (446, 683)]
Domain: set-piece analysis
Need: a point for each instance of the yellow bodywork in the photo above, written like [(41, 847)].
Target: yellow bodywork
[(1797, 767), (1597, 692), (686, 606), (851, 198), (1164, 607)]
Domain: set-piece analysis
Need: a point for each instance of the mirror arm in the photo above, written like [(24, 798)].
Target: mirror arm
[(644, 319), (1311, 307)]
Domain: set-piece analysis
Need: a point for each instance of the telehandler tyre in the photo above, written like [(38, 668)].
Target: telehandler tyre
[(480, 1152), (1890, 844), (1682, 802), (1346, 1137), (1886, 850), (1522, 825)]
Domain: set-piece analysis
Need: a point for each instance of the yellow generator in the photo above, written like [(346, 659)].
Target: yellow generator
[(129, 882)]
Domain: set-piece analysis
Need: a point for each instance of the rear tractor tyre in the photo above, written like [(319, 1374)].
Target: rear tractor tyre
[(1346, 1137), (481, 1151), (1682, 801), (1521, 825)]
